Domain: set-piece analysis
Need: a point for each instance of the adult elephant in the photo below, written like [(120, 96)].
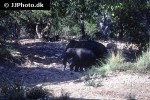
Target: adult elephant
[(98, 49)]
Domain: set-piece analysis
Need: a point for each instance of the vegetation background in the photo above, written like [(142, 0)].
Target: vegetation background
[(126, 21)]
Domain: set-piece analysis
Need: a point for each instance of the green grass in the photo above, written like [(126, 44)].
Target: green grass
[(94, 83), (116, 63), (143, 61)]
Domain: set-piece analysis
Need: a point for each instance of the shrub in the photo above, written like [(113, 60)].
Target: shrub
[(143, 61), (98, 71), (37, 93), (114, 63), (9, 57), (94, 83), (5, 53), (117, 63), (90, 28), (13, 90)]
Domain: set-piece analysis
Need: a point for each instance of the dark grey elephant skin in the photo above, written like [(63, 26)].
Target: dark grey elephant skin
[(80, 57), (99, 49)]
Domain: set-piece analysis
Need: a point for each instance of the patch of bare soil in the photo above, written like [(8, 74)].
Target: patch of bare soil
[(43, 67)]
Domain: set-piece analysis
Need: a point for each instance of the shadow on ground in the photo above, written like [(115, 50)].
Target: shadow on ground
[(34, 76), (45, 53), (41, 52)]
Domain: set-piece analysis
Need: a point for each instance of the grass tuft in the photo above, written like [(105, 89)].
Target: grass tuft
[(115, 62), (143, 61), (38, 92)]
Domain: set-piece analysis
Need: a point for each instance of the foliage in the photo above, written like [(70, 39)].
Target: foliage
[(130, 19), (13, 90), (90, 28), (117, 63), (37, 92), (5, 53), (98, 71), (114, 63), (8, 57), (143, 62), (94, 83)]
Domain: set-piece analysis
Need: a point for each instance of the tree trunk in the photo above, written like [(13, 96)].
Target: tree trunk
[(40, 33), (82, 26)]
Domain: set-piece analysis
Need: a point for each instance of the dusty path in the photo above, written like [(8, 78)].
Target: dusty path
[(44, 67)]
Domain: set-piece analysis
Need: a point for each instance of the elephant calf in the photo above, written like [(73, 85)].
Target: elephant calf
[(80, 57)]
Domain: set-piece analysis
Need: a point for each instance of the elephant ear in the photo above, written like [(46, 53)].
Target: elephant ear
[(71, 44)]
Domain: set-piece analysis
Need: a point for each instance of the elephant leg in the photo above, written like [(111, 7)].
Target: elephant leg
[(65, 61), (76, 69), (81, 69), (72, 66)]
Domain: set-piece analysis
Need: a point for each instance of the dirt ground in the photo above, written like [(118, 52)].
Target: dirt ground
[(43, 67)]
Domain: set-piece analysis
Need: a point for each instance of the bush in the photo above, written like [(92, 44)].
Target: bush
[(13, 90), (97, 71), (129, 24), (117, 63), (8, 57), (38, 92), (5, 53), (143, 62), (90, 28), (94, 83), (114, 63)]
